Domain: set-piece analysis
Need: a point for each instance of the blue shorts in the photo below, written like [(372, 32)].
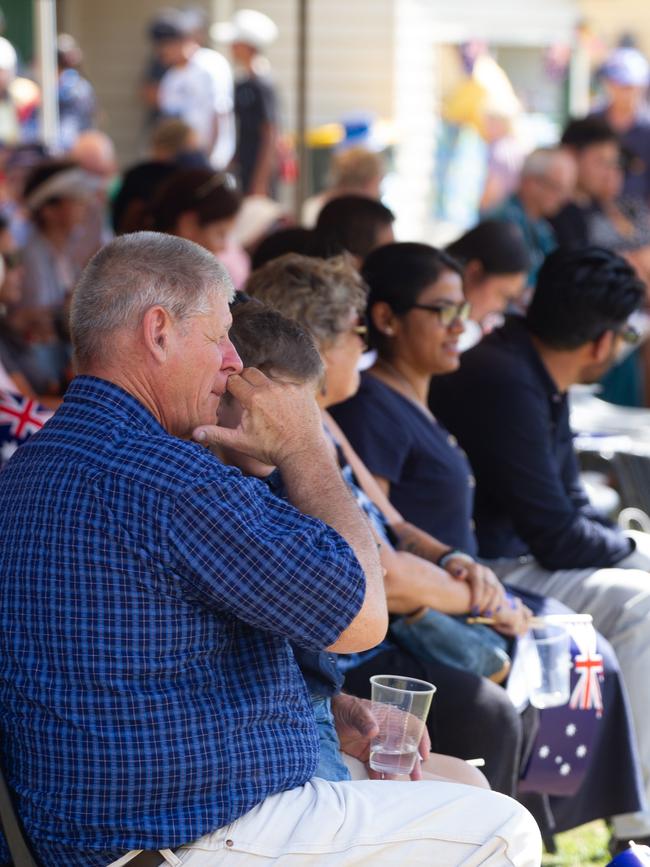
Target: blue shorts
[(330, 765)]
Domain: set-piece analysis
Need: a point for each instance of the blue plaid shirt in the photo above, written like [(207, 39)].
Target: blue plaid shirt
[(148, 692)]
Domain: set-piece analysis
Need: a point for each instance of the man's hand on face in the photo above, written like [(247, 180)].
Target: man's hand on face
[(279, 420)]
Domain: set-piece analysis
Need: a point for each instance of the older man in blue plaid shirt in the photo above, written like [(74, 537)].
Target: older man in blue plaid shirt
[(150, 706)]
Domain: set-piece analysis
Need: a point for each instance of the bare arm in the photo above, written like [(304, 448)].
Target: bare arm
[(486, 591), (281, 426), (413, 583)]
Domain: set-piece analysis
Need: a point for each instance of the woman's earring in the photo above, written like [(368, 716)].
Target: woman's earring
[(389, 331)]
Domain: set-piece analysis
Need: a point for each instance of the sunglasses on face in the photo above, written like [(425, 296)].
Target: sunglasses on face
[(447, 313), (629, 335)]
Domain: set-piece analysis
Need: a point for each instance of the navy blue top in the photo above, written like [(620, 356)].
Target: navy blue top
[(514, 424), (148, 691), (431, 483)]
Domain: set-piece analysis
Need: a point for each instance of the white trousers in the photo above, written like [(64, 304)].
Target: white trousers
[(372, 823), (619, 601)]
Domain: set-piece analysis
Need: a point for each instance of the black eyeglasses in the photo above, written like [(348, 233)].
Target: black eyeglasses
[(447, 313)]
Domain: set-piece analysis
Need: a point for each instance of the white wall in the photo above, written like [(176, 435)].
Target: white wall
[(350, 42)]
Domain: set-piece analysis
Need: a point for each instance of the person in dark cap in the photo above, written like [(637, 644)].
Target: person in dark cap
[(626, 76)]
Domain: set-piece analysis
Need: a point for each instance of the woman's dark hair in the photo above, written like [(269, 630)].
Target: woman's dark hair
[(43, 172), (498, 245), (38, 176), (294, 239), (271, 342), (354, 222), (397, 274), (130, 208), (580, 294), (210, 195), (588, 131)]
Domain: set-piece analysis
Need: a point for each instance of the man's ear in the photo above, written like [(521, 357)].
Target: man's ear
[(473, 273), (156, 329), (603, 347)]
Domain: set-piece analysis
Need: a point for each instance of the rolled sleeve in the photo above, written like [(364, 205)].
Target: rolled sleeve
[(239, 549)]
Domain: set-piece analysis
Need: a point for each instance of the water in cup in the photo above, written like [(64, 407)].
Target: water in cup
[(394, 761), (400, 706)]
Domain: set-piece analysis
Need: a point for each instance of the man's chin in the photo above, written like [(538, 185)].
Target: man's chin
[(594, 374)]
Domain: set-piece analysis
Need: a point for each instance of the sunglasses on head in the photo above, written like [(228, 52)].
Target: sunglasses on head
[(218, 179)]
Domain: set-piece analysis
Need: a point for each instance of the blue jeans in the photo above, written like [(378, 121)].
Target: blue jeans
[(330, 765), (443, 638)]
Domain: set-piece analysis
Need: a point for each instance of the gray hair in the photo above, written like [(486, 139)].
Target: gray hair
[(133, 273), (538, 163), (317, 293)]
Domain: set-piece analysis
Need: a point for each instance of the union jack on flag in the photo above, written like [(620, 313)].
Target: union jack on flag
[(588, 665), (20, 417)]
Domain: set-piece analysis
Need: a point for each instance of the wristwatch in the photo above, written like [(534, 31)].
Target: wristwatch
[(453, 554)]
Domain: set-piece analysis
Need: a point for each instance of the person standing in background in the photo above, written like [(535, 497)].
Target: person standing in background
[(77, 102), (197, 86), (249, 32), (626, 76)]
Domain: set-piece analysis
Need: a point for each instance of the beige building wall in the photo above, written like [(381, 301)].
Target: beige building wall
[(609, 19), (350, 68)]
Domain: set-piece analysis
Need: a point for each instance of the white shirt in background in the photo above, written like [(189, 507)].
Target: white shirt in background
[(195, 93)]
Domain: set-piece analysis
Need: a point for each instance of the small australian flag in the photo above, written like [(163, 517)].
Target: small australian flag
[(20, 417)]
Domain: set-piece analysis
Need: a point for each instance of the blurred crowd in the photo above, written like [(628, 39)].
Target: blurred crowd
[(454, 442)]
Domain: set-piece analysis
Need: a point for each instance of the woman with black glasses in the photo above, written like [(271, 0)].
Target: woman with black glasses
[(416, 316), (416, 311)]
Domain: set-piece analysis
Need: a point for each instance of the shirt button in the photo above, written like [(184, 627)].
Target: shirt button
[(229, 844), (472, 525), (451, 439), (471, 481)]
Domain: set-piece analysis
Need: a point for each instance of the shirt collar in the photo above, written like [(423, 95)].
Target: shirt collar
[(113, 399), (517, 333)]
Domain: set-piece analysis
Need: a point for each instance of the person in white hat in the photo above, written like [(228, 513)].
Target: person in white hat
[(249, 32), (626, 76)]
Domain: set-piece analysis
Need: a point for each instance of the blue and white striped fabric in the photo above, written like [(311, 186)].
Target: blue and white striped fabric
[(148, 693)]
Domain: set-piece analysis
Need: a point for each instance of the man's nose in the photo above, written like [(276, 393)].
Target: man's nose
[(231, 363)]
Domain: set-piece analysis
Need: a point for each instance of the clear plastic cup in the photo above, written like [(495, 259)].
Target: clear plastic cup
[(549, 667), (400, 705)]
